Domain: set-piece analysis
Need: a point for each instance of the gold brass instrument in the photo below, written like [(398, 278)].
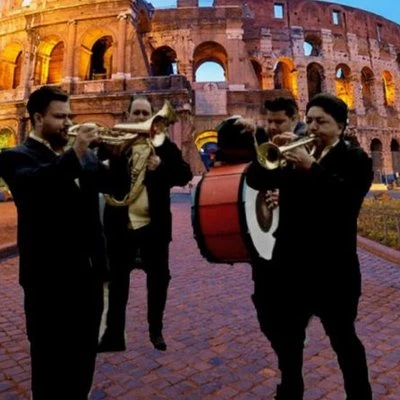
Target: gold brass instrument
[(271, 156), (125, 132)]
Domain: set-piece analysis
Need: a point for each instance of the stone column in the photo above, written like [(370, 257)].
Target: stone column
[(357, 92), (33, 40), (302, 85), (121, 45), (70, 54)]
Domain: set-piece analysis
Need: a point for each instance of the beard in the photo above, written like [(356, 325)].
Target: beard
[(57, 140)]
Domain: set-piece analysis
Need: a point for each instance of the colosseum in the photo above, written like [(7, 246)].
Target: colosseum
[(102, 52)]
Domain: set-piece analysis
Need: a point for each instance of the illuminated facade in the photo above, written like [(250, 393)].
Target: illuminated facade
[(102, 52)]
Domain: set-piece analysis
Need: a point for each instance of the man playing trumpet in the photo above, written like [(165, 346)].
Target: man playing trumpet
[(314, 268), (61, 245), (138, 224)]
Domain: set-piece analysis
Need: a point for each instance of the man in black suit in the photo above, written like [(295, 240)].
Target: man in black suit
[(61, 246), (314, 268), (138, 226)]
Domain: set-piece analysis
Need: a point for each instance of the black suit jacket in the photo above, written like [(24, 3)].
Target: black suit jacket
[(59, 230), (173, 171), (316, 239)]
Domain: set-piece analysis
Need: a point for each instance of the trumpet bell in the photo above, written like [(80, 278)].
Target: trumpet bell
[(271, 156), (166, 114)]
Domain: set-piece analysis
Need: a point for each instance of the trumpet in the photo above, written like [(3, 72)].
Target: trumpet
[(271, 156), (126, 132)]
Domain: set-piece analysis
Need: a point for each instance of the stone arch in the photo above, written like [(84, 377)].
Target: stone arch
[(8, 137), (210, 52), (258, 71), (367, 87), (285, 75), (11, 65), (343, 84), (395, 151), (377, 159), (312, 45), (389, 90), (164, 61), (96, 54), (315, 79), (49, 61)]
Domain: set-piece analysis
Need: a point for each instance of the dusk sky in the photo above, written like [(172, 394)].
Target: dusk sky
[(389, 9)]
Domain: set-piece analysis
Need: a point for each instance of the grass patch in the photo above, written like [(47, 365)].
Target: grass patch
[(379, 220)]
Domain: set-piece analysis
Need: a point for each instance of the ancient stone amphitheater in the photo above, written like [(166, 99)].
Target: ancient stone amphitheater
[(104, 51)]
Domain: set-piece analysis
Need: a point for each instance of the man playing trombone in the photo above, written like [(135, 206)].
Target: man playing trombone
[(138, 224), (314, 268)]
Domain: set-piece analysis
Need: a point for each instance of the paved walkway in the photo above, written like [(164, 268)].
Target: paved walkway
[(215, 349)]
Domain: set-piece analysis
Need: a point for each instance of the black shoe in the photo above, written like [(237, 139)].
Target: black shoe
[(158, 342), (111, 343)]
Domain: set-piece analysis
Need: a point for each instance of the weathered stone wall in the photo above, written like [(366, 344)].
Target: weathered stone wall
[(243, 37)]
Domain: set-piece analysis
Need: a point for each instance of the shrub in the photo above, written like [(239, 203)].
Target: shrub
[(379, 220)]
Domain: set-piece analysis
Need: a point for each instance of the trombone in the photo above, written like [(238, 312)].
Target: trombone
[(271, 156), (125, 132)]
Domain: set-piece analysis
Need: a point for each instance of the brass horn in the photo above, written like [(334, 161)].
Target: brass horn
[(271, 156), (125, 132), (166, 115)]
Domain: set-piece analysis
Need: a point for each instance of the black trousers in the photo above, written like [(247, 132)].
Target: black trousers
[(131, 248), (284, 311), (63, 326)]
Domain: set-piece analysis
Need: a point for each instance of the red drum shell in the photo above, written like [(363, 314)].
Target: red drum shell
[(217, 219), (230, 220)]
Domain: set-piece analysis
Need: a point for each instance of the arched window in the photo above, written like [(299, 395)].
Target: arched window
[(377, 160), (210, 71), (395, 150), (7, 138), (56, 62), (257, 70), (389, 95), (367, 87), (17, 71), (207, 53), (312, 46), (101, 59), (343, 85), (315, 79), (163, 62)]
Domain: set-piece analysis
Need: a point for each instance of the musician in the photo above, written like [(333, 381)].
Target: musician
[(61, 246), (314, 268), (138, 223)]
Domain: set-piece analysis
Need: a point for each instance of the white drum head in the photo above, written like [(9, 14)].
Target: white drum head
[(261, 222)]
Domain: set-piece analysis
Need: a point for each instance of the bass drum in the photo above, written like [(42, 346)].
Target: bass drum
[(231, 222)]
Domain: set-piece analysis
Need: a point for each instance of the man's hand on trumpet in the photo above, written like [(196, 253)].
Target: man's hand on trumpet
[(86, 135), (299, 156)]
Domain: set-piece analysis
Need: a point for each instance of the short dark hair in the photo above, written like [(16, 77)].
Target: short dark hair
[(332, 105), (40, 99), (287, 104)]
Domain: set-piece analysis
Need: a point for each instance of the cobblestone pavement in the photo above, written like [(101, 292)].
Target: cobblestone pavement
[(215, 348)]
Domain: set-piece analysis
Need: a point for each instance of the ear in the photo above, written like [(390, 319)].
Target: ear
[(38, 119), (342, 127)]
